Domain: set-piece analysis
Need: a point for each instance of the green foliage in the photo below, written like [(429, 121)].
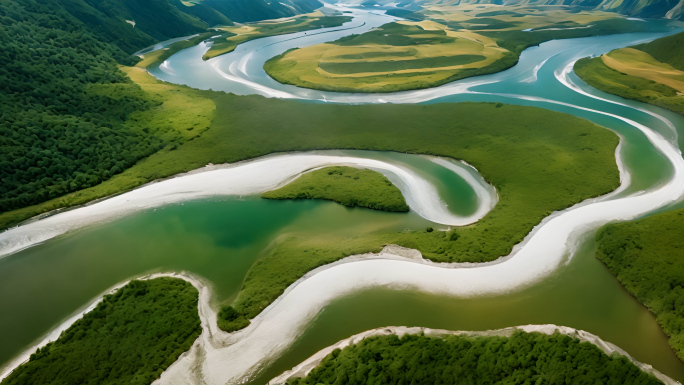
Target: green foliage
[(669, 49), (346, 185), (516, 41), (523, 358), (398, 65), (647, 257), (131, 337), (63, 103), (578, 163), (230, 320), (254, 10), (598, 75)]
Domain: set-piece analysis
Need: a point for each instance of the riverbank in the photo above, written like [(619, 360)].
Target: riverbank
[(647, 257), (345, 185), (107, 342), (634, 73), (303, 369)]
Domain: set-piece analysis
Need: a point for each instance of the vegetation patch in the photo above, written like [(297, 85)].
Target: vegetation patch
[(345, 185), (394, 57), (523, 358), (647, 257), (131, 337), (650, 73), (450, 44), (239, 34), (157, 57), (539, 161)]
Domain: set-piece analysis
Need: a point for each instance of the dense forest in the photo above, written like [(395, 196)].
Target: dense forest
[(69, 115), (131, 337), (647, 257), (524, 358), (63, 103)]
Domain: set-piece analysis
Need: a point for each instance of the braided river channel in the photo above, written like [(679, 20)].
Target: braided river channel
[(218, 237)]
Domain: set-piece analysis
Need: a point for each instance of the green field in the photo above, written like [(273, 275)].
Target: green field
[(131, 337), (655, 77), (552, 161), (523, 358), (412, 55), (450, 43), (647, 257), (349, 186)]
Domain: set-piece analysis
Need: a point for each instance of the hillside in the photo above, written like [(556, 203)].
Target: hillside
[(134, 24), (670, 9), (651, 73)]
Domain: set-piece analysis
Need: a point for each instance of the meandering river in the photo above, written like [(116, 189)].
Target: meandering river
[(220, 238)]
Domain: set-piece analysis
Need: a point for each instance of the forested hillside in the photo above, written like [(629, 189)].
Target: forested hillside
[(63, 103), (70, 117), (671, 9), (669, 50), (650, 73)]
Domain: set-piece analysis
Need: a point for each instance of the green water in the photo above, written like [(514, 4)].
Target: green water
[(220, 239), (583, 295)]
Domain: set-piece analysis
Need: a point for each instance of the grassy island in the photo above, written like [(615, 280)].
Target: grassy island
[(447, 44), (647, 257), (345, 185), (394, 57), (131, 337), (650, 73), (523, 358)]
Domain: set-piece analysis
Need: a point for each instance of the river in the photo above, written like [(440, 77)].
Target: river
[(220, 238)]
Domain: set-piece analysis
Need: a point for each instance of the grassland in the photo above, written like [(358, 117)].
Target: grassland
[(539, 161), (647, 257), (238, 34), (650, 73), (450, 43), (349, 186), (394, 57), (131, 337), (523, 358)]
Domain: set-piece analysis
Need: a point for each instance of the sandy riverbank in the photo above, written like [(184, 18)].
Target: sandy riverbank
[(305, 367), (246, 178)]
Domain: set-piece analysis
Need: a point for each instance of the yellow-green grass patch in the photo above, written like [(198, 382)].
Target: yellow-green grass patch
[(397, 56), (637, 63)]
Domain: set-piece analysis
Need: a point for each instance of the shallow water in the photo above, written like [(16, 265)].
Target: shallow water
[(220, 239)]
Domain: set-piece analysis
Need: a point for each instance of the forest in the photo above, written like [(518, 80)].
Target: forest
[(64, 105), (523, 358), (647, 257), (131, 337)]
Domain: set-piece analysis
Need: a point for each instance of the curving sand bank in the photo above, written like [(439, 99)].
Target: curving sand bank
[(252, 177), (305, 367), (210, 345)]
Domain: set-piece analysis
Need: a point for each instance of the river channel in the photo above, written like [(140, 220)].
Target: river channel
[(220, 238)]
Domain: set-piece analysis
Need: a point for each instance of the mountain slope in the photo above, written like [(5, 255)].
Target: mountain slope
[(670, 9)]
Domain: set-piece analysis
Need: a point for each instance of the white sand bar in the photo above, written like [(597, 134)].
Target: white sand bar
[(305, 367), (253, 177)]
